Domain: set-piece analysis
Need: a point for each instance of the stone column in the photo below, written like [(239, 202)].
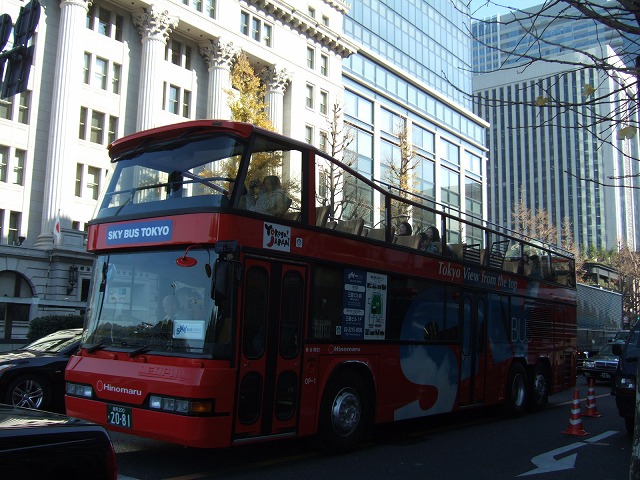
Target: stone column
[(219, 56), (277, 80), (154, 27), (65, 115)]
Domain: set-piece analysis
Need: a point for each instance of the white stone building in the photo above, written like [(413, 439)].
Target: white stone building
[(105, 69)]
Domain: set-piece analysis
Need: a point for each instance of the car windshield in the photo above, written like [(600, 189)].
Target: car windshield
[(56, 342), (632, 347), (606, 349), (147, 302)]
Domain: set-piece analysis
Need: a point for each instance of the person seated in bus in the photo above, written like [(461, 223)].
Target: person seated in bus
[(270, 199), (404, 229), (430, 240), (436, 245)]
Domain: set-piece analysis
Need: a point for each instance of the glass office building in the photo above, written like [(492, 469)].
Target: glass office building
[(413, 69), (551, 157)]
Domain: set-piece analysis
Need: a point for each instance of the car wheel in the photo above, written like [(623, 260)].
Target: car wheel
[(30, 391)]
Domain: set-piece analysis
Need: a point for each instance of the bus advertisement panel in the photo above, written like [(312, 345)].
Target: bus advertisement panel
[(248, 287)]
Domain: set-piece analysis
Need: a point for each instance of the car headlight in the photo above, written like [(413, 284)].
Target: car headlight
[(625, 383), (590, 364)]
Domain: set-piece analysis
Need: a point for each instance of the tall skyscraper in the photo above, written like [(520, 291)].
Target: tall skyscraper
[(554, 157)]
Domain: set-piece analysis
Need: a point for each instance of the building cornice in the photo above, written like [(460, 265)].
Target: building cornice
[(308, 26)]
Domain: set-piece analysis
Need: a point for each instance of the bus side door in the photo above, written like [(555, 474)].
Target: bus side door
[(267, 401), (474, 349)]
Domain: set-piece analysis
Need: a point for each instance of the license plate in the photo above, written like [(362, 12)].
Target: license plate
[(605, 375), (119, 416)]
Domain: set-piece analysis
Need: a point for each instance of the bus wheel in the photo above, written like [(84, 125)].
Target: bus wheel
[(516, 391), (539, 388), (344, 413)]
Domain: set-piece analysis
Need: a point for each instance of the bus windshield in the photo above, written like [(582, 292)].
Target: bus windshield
[(184, 171), (147, 302)]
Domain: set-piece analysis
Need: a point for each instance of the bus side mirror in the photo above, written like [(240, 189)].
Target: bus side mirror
[(221, 281), (225, 274), (616, 348)]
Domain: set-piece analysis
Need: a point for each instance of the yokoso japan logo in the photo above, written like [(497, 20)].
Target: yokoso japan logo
[(276, 237)]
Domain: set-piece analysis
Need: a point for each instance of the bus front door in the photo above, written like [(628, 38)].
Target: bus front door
[(270, 354), (474, 349)]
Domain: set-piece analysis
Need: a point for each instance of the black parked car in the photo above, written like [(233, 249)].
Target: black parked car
[(602, 365), (41, 445), (625, 380), (33, 376)]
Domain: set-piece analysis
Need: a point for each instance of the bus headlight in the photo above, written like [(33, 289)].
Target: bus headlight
[(181, 405), (589, 364), (79, 390)]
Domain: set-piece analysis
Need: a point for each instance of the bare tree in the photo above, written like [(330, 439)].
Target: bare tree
[(628, 266), (534, 224), (337, 189), (604, 104), (401, 173)]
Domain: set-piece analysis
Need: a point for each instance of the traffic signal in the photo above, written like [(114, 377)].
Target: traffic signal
[(20, 56)]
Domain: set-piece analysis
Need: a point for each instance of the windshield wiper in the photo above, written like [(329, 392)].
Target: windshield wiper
[(139, 350), (95, 347)]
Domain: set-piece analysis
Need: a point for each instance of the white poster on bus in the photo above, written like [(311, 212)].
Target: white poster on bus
[(364, 305), (376, 311)]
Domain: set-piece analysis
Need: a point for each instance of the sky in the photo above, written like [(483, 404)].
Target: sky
[(488, 8)]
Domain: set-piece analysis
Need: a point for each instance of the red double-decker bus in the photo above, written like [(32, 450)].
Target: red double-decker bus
[(248, 287)]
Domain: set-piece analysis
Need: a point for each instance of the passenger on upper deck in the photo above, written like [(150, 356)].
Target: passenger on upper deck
[(404, 229), (430, 240), (270, 200)]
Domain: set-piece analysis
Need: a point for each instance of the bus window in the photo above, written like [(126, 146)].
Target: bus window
[(273, 184), (255, 314), (351, 202), (423, 312), (292, 311), (197, 172), (326, 314)]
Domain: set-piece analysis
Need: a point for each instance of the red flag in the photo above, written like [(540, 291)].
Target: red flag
[(57, 234)]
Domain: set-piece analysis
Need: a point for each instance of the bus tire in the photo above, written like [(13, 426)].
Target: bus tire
[(516, 391), (539, 388), (344, 413)]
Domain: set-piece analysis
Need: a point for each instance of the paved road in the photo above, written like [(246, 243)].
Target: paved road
[(474, 444)]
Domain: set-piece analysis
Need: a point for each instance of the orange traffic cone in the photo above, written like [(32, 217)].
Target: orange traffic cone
[(591, 410), (575, 420)]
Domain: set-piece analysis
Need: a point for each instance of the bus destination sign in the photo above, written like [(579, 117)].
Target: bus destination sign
[(153, 231)]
